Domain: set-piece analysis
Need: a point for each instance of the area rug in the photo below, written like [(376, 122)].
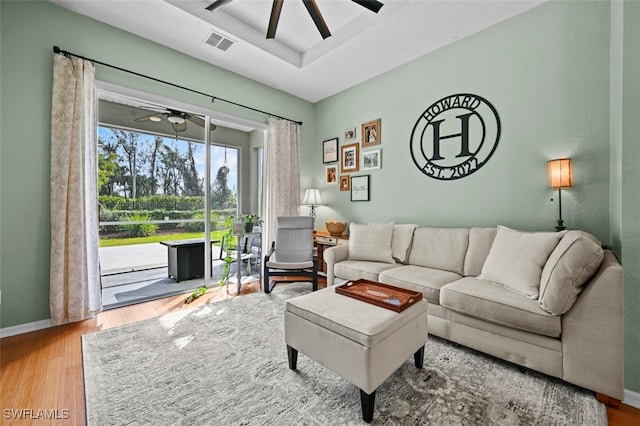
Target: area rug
[(226, 364)]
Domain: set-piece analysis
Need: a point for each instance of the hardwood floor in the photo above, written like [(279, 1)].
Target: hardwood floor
[(42, 377)]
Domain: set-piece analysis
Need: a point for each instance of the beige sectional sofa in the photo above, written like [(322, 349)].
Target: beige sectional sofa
[(548, 301)]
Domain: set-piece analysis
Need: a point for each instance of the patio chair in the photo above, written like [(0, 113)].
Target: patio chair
[(250, 246), (292, 252), (254, 248)]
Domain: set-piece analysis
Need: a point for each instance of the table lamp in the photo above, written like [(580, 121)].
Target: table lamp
[(312, 198)]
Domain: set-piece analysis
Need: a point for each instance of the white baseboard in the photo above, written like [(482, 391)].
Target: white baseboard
[(632, 398), (25, 328)]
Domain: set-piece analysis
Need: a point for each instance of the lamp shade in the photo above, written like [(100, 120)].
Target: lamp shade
[(560, 173), (312, 197)]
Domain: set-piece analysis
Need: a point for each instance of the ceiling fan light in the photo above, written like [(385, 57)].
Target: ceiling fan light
[(175, 119), (155, 118)]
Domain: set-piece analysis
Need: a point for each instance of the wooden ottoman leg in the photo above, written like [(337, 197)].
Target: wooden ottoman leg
[(292, 354), (368, 401), (418, 357)]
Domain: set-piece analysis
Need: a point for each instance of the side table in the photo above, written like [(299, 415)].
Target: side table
[(322, 240)]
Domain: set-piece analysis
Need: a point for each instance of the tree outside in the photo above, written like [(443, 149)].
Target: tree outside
[(157, 185)]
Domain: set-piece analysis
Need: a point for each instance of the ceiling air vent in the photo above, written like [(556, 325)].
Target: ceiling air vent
[(219, 41)]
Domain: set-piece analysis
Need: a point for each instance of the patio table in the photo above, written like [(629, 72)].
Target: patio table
[(185, 258)]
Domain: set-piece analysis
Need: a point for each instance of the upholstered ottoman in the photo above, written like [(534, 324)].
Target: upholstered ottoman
[(363, 343)]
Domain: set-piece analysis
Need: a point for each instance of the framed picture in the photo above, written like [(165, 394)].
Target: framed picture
[(331, 174), (349, 158), (350, 134), (330, 151), (344, 183), (371, 159), (371, 133), (360, 188)]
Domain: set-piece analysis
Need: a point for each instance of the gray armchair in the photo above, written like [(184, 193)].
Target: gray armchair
[(292, 251)]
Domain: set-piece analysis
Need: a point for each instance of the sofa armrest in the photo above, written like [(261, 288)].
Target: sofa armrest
[(332, 256), (593, 334)]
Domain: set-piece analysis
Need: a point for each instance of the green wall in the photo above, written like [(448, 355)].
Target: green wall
[(630, 233), (547, 72), (28, 31)]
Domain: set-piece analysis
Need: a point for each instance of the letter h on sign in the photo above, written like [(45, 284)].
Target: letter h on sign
[(464, 135)]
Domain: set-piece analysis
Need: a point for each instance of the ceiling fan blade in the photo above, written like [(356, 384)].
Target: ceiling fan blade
[(372, 5), (149, 117), (194, 119), (179, 127), (313, 10), (275, 18), (217, 4)]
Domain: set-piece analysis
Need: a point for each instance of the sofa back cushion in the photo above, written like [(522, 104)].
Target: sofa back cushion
[(516, 259), (371, 242), (576, 258), (480, 241), (401, 242), (439, 248)]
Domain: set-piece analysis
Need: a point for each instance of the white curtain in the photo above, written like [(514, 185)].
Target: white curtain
[(283, 173), (75, 292)]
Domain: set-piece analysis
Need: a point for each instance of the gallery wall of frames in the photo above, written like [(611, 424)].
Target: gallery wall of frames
[(358, 152)]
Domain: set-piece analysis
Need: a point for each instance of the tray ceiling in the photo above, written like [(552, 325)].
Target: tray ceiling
[(298, 61)]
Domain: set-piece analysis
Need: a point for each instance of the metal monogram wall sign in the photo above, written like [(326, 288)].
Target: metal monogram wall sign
[(455, 136)]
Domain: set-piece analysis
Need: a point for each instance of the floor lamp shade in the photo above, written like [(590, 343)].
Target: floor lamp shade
[(560, 176), (560, 173)]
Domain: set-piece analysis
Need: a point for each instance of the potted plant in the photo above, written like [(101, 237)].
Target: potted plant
[(251, 220)]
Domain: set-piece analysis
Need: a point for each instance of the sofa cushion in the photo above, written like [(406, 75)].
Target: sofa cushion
[(480, 241), (439, 248), (490, 302), (418, 278), (516, 259), (575, 259), (371, 242), (401, 242), (361, 269)]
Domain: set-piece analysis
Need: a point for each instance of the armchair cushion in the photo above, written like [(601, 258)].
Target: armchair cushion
[(292, 252), (294, 237)]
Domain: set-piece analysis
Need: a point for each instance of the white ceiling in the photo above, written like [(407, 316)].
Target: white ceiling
[(298, 61)]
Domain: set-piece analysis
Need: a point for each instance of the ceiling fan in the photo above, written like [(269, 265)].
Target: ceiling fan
[(178, 119), (312, 8)]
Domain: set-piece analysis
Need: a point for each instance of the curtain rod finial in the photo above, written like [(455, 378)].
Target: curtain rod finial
[(56, 49)]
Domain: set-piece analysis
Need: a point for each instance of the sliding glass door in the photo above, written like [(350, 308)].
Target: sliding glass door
[(155, 193)]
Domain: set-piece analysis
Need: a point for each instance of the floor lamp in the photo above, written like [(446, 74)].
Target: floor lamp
[(560, 177)]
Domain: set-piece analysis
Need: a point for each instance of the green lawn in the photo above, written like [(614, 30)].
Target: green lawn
[(112, 242)]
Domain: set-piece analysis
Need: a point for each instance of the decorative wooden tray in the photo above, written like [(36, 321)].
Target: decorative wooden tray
[(383, 295)]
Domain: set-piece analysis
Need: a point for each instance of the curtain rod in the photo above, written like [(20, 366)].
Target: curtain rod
[(56, 49)]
